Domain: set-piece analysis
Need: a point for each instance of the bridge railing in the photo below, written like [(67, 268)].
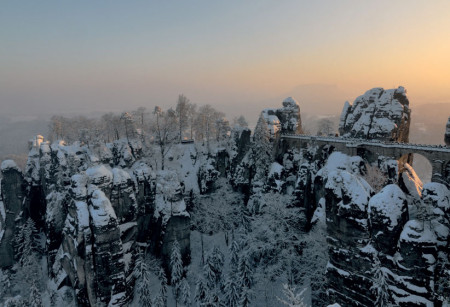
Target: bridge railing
[(359, 141)]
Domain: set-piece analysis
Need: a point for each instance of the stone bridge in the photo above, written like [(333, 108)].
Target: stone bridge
[(370, 150)]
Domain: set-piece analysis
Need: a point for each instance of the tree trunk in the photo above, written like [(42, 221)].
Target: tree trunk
[(203, 252)]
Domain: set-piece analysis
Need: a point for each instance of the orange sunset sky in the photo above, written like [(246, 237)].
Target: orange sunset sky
[(239, 56)]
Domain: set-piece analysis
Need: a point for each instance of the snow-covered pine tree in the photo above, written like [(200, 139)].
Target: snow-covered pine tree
[(26, 242), (380, 286), (216, 261), (142, 274), (17, 301), (35, 299), (185, 293), (162, 296), (245, 298), (234, 256), (442, 285), (5, 282), (293, 299), (232, 292), (159, 301), (28, 271), (209, 274), (245, 274), (212, 271), (176, 264), (201, 291), (176, 270)]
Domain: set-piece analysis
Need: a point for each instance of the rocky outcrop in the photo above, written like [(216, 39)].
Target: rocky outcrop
[(447, 133), (12, 196), (284, 120), (207, 176), (347, 198), (378, 114), (91, 256), (416, 265), (388, 212)]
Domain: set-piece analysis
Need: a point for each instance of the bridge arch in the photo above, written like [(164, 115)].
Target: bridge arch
[(420, 163), (367, 154)]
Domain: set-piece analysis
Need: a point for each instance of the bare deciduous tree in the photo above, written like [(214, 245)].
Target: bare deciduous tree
[(325, 127), (165, 131)]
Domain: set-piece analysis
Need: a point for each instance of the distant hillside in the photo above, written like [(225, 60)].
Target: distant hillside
[(15, 133), (428, 123)]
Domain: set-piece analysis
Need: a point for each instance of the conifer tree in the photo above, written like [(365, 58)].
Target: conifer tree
[(293, 299), (234, 256), (17, 301), (216, 262), (380, 285), (245, 273), (176, 266), (26, 243), (161, 298), (200, 291), (185, 292), (35, 299), (232, 293), (245, 298), (142, 273)]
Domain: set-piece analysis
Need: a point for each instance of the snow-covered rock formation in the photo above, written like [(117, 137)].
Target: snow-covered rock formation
[(378, 114), (100, 206), (374, 243), (286, 119), (96, 206)]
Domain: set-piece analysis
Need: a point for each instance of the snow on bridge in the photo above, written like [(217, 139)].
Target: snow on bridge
[(438, 155)]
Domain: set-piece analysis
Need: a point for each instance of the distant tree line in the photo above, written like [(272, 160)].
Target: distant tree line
[(184, 121)]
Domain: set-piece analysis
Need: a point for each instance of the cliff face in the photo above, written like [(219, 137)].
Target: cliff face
[(12, 195), (447, 133), (378, 114)]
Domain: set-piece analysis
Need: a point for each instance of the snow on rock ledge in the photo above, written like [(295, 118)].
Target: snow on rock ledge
[(436, 195), (390, 204), (388, 212), (9, 165), (100, 175), (101, 210)]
